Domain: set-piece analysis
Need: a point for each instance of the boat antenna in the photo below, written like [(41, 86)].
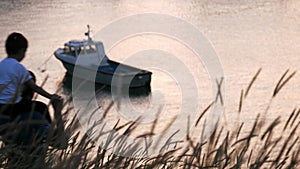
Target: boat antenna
[(88, 33)]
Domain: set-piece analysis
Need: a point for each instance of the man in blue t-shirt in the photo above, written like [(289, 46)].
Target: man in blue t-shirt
[(14, 77)]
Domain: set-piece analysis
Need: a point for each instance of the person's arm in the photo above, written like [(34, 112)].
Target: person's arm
[(30, 83)]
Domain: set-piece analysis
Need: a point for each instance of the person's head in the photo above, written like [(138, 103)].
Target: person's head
[(16, 45)]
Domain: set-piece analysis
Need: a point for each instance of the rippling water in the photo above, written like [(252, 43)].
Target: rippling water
[(246, 35)]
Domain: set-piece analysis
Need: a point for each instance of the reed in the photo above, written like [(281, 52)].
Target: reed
[(274, 144)]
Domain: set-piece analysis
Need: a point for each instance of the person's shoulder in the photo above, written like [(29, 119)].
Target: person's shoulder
[(10, 61), (4, 60), (14, 61), (13, 64)]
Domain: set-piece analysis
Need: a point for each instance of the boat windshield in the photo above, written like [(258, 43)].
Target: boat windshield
[(70, 50), (79, 50)]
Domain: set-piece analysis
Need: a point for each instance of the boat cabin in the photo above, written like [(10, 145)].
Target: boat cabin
[(79, 47), (91, 50)]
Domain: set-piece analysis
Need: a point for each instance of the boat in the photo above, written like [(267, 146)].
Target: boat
[(85, 58)]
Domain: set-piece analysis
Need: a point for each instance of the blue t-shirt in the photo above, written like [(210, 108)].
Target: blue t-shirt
[(12, 76)]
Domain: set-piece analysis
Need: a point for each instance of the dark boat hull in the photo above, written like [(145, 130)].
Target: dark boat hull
[(111, 74)]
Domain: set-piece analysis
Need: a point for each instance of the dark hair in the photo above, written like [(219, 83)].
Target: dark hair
[(14, 42)]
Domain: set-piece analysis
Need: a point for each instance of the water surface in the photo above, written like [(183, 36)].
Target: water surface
[(247, 35)]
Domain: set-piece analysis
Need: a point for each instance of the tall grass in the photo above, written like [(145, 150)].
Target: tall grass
[(266, 144)]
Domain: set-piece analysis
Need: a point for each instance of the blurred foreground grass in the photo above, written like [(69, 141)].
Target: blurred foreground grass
[(266, 144)]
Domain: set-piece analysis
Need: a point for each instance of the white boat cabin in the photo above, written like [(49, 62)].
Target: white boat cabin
[(91, 51), (76, 47)]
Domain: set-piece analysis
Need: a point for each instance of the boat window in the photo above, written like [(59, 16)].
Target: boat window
[(69, 50), (80, 50), (66, 49), (73, 51), (91, 49)]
